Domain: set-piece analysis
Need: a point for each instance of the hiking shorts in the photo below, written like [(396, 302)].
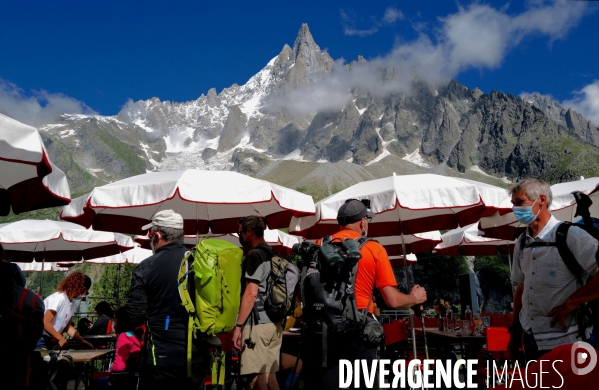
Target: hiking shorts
[(264, 356)]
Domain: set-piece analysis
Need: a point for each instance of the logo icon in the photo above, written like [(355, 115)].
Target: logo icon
[(582, 354)]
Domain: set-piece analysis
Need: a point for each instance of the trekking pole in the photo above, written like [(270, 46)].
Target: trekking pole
[(424, 332)]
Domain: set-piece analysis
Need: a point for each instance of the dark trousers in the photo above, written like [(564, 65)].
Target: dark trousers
[(349, 346), (531, 350), (163, 377)]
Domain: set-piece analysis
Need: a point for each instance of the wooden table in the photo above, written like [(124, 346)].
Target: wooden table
[(99, 340), (84, 364)]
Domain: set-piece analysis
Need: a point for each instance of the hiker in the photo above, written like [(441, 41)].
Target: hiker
[(103, 324), (60, 307), (258, 338), (373, 270), (547, 293), (154, 299)]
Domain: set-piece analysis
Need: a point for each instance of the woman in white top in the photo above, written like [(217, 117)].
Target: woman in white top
[(60, 308)]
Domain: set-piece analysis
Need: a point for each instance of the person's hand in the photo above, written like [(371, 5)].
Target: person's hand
[(419, 294), (237, 338), (86, 344), (63, 343), (559, 313)]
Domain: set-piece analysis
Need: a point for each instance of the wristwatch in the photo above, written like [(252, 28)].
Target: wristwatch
[(238, 325)]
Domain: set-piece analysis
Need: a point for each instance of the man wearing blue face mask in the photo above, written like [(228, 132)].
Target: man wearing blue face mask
[(547, 295)]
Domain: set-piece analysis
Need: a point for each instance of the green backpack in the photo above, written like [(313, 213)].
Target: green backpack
[(213, 306)]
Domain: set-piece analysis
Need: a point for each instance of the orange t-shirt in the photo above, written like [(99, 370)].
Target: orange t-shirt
[(374, 269)]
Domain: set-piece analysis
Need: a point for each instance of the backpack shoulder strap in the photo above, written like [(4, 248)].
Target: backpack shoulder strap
[(566, 254), (182, 284)]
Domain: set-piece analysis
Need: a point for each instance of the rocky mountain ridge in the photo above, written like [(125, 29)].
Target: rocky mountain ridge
[(435, 127)]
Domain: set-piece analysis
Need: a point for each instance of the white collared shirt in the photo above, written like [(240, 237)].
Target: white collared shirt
[(548, 282)]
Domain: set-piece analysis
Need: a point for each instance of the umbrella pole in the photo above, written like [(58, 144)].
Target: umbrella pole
[(42, 278), (197, 228), (118, 286), (405, 264)]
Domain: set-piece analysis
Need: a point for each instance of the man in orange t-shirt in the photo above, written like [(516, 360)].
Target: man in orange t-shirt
[(374, 270)]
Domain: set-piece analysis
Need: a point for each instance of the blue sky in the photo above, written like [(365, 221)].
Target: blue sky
[(82, 56)]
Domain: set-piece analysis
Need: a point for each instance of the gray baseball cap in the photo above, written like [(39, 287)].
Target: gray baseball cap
[(165, 218), (352, 211)]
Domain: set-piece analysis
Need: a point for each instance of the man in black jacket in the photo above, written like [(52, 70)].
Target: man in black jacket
[(154, 299)]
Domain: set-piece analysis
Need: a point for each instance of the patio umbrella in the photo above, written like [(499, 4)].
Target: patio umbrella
[(466, 241), (54, 241), (208, 201), (42, 267), (563, 207), (278, 240), (402, 205), (28, 180)]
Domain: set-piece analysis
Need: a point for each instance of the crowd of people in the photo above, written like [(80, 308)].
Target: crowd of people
[(153, 327)]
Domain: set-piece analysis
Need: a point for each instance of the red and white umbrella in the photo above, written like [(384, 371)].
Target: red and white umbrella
[(42, 267), (131, 256), (403, 204), (28, 180), (466, 241), (54, 241), (208, 201), (278, 240), (563, 207)]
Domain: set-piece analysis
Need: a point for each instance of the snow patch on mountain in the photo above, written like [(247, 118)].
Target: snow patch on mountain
[(416, 158), (385, 152)]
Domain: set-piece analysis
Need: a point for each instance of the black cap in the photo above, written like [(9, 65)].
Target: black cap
[(352, 211)]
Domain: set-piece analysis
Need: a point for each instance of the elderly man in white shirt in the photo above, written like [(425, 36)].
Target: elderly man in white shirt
[(547, 293)]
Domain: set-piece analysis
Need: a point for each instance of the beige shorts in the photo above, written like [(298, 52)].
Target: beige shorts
[(264, 357)]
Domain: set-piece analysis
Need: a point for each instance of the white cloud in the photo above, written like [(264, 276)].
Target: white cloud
[(477, 36), (38, 108), (586, 102), (392, 15)]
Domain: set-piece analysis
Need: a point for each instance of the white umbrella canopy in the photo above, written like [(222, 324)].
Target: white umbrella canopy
[(39, 267), (278, 240), (403, 204), (53, 241), (563, 207), (466, 241), (28, 180), (208, 201), (131, 256)]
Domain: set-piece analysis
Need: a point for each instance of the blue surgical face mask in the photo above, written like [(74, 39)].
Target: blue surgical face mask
[(524, 213)]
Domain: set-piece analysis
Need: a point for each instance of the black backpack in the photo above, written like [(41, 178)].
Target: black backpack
[(327, 288), (588, 315)]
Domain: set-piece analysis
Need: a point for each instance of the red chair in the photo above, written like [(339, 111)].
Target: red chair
[(497, 348)]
